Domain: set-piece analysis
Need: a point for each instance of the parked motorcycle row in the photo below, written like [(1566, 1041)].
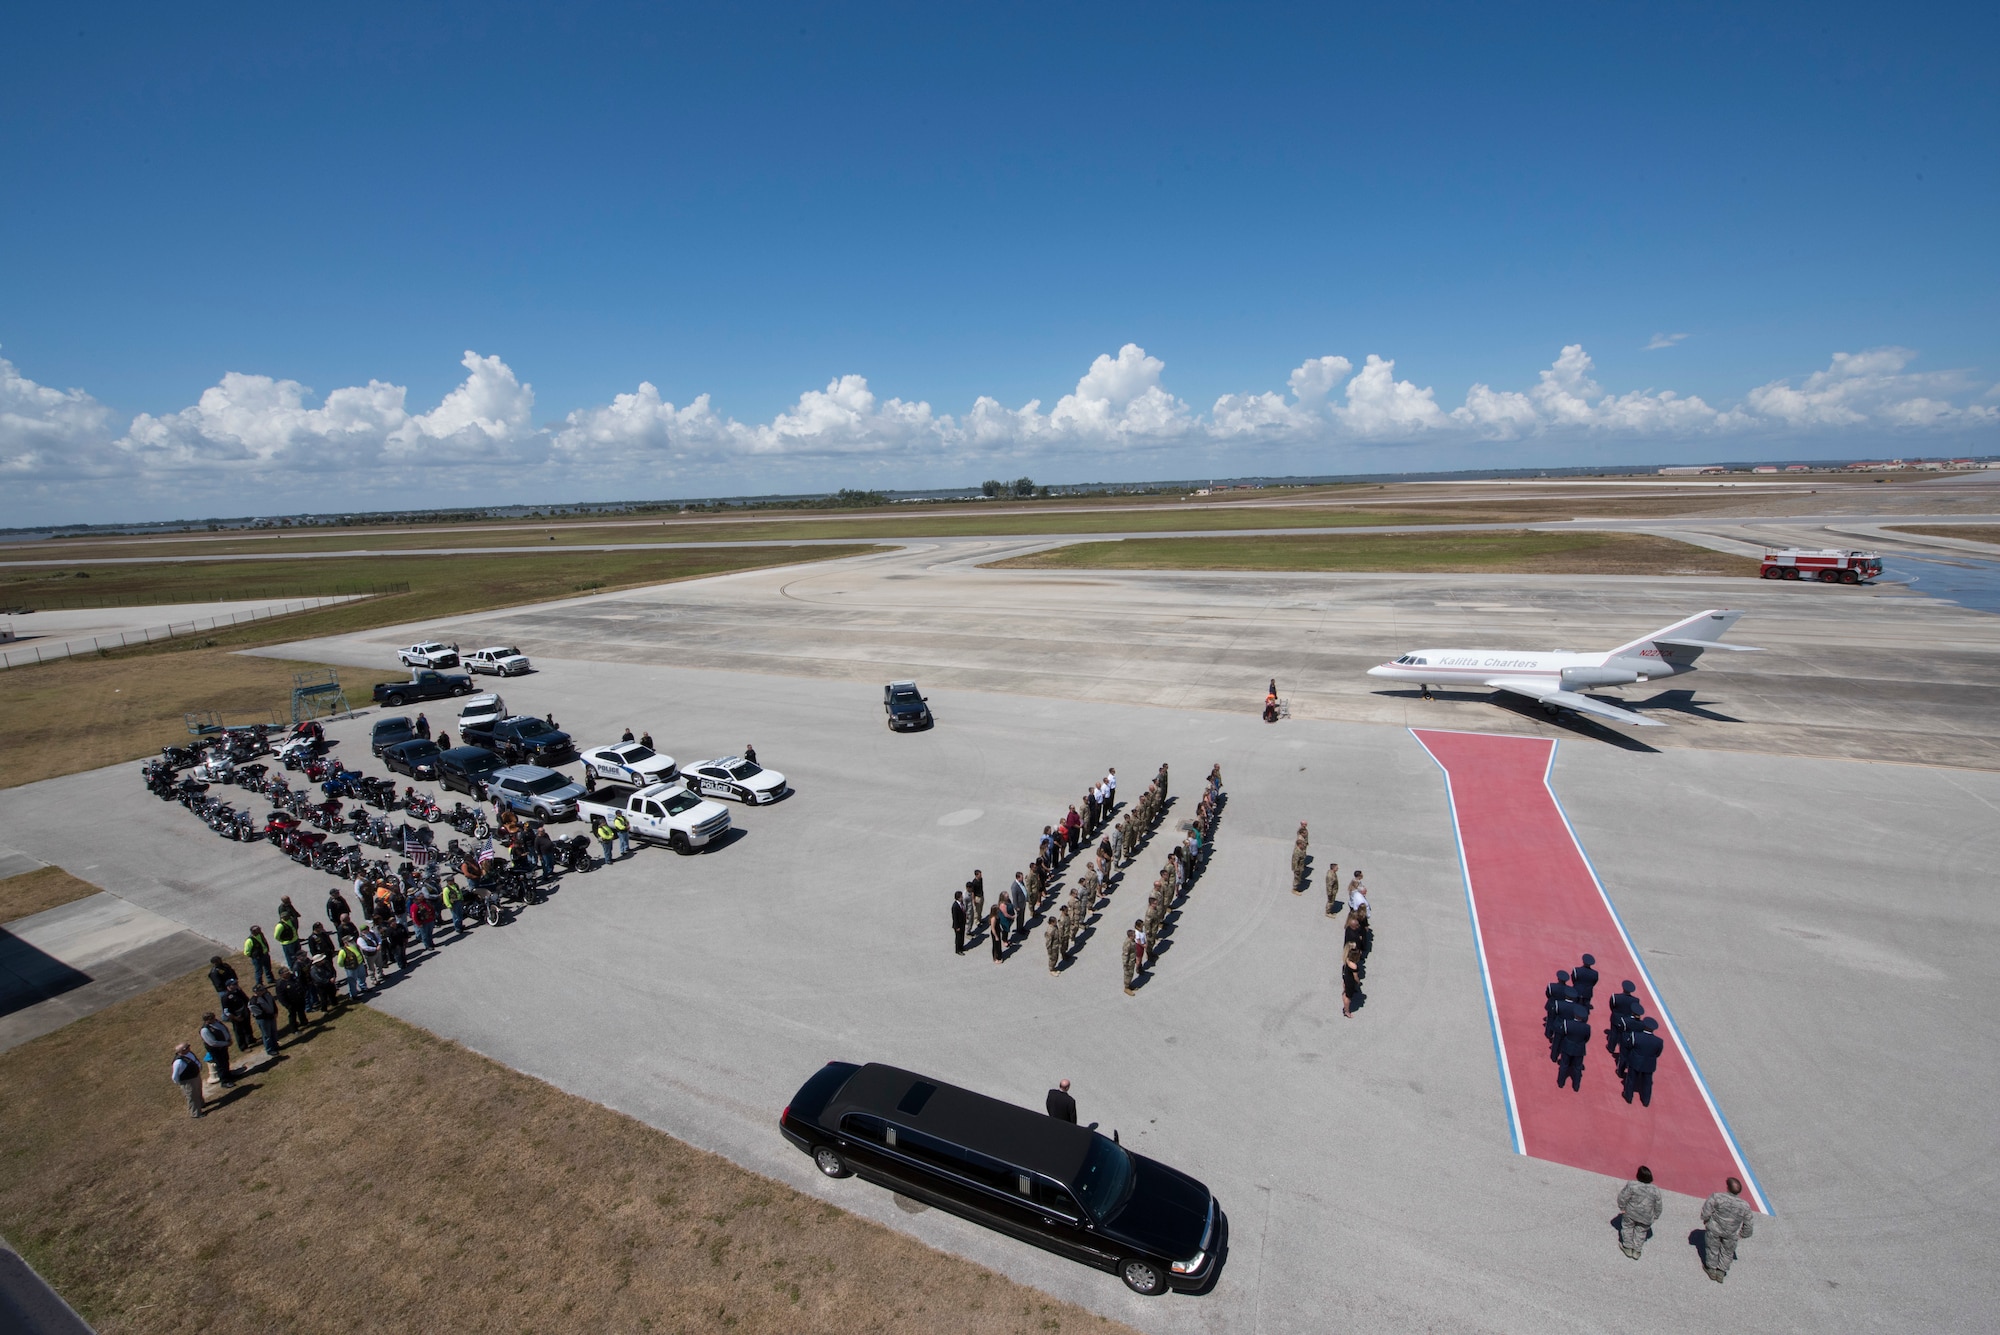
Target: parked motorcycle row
[(309, 827)]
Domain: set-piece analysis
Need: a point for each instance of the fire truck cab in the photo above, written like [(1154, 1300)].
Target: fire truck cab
[(1831, 566)]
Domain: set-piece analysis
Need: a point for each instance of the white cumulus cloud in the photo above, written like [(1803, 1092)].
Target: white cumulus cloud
[(362, 445)]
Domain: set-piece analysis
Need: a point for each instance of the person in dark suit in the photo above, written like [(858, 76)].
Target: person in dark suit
[(1641, 1060), (1584, 979), (1623, 1006), (1571, 1043), (1553, 997), (1061, 1106), (958, 922)]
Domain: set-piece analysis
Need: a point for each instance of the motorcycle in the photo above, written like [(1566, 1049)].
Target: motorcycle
[(469, 820), (422, 806), (342, 783), (380, 793), (573, 854)]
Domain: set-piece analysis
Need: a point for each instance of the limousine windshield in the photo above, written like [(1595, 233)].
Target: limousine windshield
[(1106, 1178)]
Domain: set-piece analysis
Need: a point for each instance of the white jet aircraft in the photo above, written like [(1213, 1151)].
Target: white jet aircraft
[(1558, 679)]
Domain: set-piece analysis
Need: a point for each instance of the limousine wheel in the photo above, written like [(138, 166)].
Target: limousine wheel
[(834, 1166), (1141, 1277)]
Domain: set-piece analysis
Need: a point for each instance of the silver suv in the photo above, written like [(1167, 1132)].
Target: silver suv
[(534, 791)]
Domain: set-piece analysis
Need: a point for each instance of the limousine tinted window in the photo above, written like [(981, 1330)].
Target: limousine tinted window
[(914, 1101), (1106, 1179)]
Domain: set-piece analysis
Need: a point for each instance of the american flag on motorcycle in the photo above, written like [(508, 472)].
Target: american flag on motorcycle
[(487, 852), (415, 849)]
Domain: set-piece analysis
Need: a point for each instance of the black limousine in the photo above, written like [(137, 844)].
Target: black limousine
[(1049, 1182)]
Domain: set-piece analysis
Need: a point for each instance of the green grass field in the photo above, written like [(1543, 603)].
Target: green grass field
[(81, 713), (1502, 551)]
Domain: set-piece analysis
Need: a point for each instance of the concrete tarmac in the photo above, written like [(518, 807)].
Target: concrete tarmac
[(1823, 931)]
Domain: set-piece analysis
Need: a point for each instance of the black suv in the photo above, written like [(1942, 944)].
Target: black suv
[(467, 769), (1053, 1183), (905, 706), (391, 731), (527, 740)]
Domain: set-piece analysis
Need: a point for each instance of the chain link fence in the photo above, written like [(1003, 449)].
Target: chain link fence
[(29, 655)]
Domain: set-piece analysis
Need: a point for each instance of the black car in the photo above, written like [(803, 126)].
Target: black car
[(527, 740), (423, 684), (1052, 1183), (388, 732), (905, 706), (417, 758), (467, 769)]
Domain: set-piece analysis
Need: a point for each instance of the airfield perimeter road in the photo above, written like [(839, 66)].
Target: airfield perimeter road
[(1804, 863)]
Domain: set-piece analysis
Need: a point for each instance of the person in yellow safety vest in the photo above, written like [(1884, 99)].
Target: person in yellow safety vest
[(454, 904), (605, 834), (258, 951), (286, 934), (624, 829), (354, 964)]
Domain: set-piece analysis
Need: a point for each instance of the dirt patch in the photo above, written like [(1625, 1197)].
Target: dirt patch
[(1504, 551), (381, 1179), (44, 888)]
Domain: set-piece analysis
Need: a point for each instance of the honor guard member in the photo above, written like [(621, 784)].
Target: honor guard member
[(1639, 1205), (1625, 1028), (1727, 1219), (1642, 1060), (1553, 996), (1332, 888), (1623, 1005), (1584, 979), (1572, 1043)]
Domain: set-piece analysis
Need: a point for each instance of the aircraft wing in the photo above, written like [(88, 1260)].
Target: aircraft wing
[(1549, 694)]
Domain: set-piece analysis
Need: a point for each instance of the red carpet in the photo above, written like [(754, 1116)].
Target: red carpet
[(1536, 907)]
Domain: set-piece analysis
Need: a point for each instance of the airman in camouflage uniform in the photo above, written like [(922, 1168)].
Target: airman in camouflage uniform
[(1299, 861), (1728, 1219), (1034, 884), (1052, 937), (1332, 888), (1130, 961), (1639, 1205)]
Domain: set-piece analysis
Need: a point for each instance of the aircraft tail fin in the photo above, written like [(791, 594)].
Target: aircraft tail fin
[(1698, 632)]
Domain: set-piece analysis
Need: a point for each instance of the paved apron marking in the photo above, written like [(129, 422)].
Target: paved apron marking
[(1536, 905)]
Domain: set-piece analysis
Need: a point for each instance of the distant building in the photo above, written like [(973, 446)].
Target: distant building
[(1688, 470), (1765, 468), (1798, 468)]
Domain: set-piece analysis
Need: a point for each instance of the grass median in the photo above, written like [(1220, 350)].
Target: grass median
[(81, 713), (44, 888), (1968, 532), (378, 1178), (1489, 551)]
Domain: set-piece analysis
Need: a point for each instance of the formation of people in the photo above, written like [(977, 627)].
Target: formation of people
[(1726, 1219), (1186, 857), (1631, 1037)]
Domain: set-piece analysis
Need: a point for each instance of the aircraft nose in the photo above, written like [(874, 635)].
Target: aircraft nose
[(1378, 671)]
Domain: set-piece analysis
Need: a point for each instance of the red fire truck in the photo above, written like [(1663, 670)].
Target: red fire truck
[(1831, 566)]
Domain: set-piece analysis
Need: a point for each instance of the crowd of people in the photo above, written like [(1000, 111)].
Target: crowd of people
[(302, 971), (1357, 935)]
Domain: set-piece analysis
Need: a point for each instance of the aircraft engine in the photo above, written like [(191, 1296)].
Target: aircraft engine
[(1580, 678)]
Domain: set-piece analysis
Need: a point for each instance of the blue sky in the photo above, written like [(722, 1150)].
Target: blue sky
[(751, 202)]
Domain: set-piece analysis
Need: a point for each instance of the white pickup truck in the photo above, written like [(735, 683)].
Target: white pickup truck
[(501, 661), (664, 813)]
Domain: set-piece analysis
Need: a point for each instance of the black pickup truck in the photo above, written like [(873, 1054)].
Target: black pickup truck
[(423, 684)]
